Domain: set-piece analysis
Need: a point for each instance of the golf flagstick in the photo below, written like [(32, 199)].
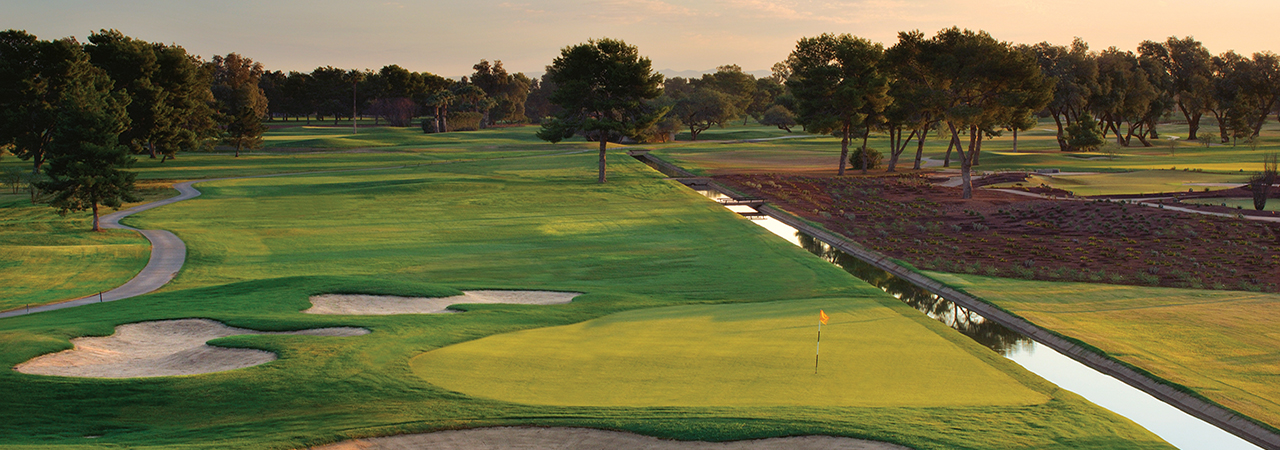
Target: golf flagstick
[(822, 318)]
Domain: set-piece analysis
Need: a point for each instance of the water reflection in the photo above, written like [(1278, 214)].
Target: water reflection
[(991, 334)]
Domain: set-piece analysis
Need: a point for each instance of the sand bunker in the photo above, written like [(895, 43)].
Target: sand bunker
[(585, 438), (162, 348), (385, 304)]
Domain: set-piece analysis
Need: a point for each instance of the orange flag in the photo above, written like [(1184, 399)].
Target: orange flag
[(822, 317)]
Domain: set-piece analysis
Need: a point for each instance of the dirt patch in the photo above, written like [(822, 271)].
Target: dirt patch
[(1002, 234), (161, 348), (588, 439), (351, 304)]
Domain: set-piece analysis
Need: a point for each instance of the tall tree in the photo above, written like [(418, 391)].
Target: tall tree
[(703, 108), (603, 87), (986, 84), (1190, 67), (241, 103), (839, 87), (733, 82), (33, 76), (1125, 96), (917, 107), (1074, 70), (85, 170), (169, 108)]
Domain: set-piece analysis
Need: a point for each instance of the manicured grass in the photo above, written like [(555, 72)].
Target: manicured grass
[(1037, 149), (755, 354), (259, 247), (1243, 203), (48, 258), (388, 138), (1141, 182), (1223, 345)]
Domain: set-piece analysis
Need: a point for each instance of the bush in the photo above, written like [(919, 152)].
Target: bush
[(429, 125), (463, 121), (873, 159)]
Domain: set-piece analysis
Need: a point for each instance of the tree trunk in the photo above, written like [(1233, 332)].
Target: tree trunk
[(844, 148), (1062, 138), (237, 150), (95, 217), (1015, 139), (866, 160), (920, 148), (895, 133), (955, 143), (604, 142), (151, 147), (1193, 121), (1222, 126)]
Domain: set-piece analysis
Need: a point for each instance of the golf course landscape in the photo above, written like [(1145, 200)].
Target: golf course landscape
[(694, 324)]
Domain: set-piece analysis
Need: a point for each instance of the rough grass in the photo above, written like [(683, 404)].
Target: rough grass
[(1223, 345), (756, 354), (259, 247), (49, 258)]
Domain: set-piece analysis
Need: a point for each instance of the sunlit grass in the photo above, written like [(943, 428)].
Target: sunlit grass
[(1222, 344)]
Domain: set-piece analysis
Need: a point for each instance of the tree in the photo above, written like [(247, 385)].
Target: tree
[(839, 86), (704, 108), (1075, 74), (241, 103), (916, 106), (1261, 183), (87, 157), (1084, 134), (509, 92), (1190, 68), (33, 76), (733, 82), (602, 87), (1125, 95), (779, 116), (986, 84), (169, 108)]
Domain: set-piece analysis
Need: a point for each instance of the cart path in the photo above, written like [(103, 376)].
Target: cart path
[(168, 252)]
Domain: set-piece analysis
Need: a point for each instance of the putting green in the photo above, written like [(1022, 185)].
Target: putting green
[(756, 354)]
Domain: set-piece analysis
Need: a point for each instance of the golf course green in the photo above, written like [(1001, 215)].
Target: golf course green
[(753, 354)]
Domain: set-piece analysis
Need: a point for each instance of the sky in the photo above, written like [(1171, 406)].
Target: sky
[(447, 37)]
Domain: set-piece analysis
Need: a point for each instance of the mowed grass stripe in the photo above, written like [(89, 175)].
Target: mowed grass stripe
[(757, 354)]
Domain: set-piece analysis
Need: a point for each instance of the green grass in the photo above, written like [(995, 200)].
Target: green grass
[(755, 354), (1242, 203), (1141, 182), (1037, 149), (259, 247), (49, 258), (1221, 344)]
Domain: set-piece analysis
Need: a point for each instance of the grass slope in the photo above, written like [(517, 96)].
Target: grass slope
[(259, 247), (755, 354), (48, 258), (1223, 345)]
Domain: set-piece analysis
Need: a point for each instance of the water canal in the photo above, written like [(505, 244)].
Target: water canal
[(1173, 425)]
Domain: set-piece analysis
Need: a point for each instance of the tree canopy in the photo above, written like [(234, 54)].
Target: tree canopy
[(602, 90)]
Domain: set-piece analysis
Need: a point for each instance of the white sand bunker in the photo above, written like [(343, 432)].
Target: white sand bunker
[(161, 348), (585, 438), (385, 304)]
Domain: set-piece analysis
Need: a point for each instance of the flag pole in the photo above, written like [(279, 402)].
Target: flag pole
[(817, 349)]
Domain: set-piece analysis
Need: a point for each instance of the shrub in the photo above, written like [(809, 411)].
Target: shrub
[(463, 121), (873, 158)]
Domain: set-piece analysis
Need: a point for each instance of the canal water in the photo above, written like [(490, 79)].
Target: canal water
[(1174, 426)]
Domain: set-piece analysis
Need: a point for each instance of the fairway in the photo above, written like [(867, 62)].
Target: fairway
[(758, 354), (1221, 344)]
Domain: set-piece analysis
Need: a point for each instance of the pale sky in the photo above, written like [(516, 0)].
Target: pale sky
[(448, 37)]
